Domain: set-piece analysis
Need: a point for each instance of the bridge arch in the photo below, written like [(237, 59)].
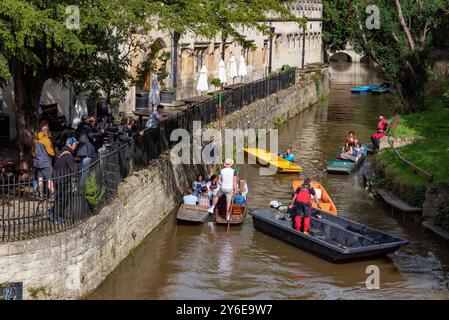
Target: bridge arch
[(341, 56)]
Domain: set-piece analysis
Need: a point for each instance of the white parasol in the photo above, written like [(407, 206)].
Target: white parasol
[(202, 81), (232, 68), (222, 72), (242, 68)]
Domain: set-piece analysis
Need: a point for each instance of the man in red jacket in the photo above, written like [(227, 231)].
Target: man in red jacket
[(382, 128), (303, 206)]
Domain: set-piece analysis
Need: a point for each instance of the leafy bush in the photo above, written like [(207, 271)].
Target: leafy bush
[(94, 193), (216, 82), (442, 219), (286, 67)]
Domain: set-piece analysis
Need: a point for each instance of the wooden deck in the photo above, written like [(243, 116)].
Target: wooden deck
[(396, 203), (429, 225)]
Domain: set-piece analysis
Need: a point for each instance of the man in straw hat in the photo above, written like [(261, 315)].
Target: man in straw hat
[(228, 178)]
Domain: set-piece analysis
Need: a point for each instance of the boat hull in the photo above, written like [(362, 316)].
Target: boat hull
[(344, 166), (365, 88), (237, 216), (357, 238), (278, 164), (192, 214)]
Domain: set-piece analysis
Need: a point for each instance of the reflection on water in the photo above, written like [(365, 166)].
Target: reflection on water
[(198, 262)]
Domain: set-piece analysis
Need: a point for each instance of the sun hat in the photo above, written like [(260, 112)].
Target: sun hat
[(229, 163)]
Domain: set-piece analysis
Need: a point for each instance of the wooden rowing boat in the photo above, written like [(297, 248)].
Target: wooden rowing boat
[(238, 213), (327, 204), (332, 237), (192, 214), (266, 158), (338, 165)]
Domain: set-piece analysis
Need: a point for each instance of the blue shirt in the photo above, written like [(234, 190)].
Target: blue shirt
[(290, 157)]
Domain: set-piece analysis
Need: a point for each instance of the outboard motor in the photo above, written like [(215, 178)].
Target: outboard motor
[(280, 207)]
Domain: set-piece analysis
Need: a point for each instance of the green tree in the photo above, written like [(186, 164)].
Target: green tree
[(401, 44), (36, 45), (336, 24)]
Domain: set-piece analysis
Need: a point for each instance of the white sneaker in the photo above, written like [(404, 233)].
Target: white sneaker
[(211, 209)]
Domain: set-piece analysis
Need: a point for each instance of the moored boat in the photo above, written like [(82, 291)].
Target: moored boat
[(265, 158), (365, 88), (381, 90), (327, 204), (344, 166), (332, 237), (192, 214)]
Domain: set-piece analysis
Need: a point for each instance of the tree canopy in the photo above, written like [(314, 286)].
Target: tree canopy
[(399, 44), (39, 40)]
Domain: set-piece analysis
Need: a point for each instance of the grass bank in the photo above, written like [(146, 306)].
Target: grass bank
[(430, 152)]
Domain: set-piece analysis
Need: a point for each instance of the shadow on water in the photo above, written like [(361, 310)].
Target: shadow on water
[(198, 262)]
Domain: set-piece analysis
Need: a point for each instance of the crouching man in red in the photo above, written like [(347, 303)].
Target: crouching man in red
[(382, 128), (301, 206)]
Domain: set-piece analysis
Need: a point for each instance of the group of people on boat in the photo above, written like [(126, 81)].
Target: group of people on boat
[(207, 192), (353, 150)]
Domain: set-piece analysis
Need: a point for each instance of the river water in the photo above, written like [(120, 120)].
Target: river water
[(198, 262)]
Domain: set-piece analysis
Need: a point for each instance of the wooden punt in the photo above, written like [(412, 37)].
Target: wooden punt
[(266, 158), (327, 204), (338, 165), (192, 214), (238, 213), (365, 88), (332, 237)]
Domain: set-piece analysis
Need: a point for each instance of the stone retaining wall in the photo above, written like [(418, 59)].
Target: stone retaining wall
[(71, 264)]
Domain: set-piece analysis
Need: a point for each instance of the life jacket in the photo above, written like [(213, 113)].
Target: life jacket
[(303, 195), (383, 125)]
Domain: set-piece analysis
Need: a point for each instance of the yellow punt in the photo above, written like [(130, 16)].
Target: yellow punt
[(327, 204), (267, 158)]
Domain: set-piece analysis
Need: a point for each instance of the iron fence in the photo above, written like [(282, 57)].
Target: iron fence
[(78, 193)]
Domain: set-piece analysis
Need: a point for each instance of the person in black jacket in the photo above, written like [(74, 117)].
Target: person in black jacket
[(126, 132), (65, 167), (88, 138)]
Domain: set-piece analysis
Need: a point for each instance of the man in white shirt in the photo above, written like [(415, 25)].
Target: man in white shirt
[(156, 118), (228, 186)]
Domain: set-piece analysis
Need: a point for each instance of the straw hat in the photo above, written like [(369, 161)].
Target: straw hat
[(229, 163)]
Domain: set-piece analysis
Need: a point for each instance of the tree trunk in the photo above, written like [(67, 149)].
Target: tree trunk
[(27, 93), (405, 99)]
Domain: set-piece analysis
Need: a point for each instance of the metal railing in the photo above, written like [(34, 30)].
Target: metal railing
[(80, 193)]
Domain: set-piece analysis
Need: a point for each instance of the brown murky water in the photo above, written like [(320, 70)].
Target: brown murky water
[(188, 262)]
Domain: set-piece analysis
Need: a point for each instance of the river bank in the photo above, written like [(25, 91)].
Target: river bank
[(427, 147)]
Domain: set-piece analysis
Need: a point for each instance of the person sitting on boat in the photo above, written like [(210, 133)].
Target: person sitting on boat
[(347, 153), (198, 184), (301, 206), (359, 151), (204, 198), (189, 198), (382, 128), (213, 185), (228, 178), (288, 155), (243, 188), (351, 139)]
